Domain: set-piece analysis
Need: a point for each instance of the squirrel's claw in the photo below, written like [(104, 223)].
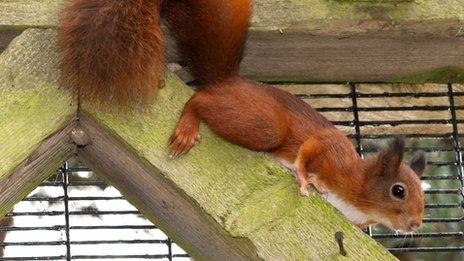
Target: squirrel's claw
[(317, 184), (304, 191), (181, 143)]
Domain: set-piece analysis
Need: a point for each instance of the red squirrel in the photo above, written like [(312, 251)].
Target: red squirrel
[(113, 53)]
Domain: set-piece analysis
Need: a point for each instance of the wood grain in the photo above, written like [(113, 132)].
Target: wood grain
[(303, 56), (42, 162), (324, 41), (160, 200)]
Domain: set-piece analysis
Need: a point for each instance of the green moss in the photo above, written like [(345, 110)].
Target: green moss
[(270, 14), (35, 13), (317, 14), (32, 107), (440, 75), (308, 233), (29, 117), (248, 194)]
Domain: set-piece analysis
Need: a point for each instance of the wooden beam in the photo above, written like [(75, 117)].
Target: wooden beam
[(245, 193), (305, 56), (326, 41), (7, 34), (33, 110), (159, 199), (41, 163)]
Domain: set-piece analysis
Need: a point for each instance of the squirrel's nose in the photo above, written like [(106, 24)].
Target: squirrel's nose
[(415, 225)]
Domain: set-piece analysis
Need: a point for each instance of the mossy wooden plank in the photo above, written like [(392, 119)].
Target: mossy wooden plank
[(31, 106), (327, 40), (321, 13), (275, 13), (30, 13), (38, 165), (159, 199), (245, 192)]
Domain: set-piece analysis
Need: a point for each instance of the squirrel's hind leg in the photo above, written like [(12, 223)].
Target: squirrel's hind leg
[(309, 149), (186, 134)]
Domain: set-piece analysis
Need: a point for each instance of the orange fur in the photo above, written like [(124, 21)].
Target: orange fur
[(263, 118), (113, 52), (210, 35)]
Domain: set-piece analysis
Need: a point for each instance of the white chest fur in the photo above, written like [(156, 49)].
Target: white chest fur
[(350, 212)]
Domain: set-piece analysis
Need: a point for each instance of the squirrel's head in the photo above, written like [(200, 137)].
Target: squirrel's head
[(393, 192)]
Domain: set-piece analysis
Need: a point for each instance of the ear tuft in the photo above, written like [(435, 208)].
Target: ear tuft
[(391, 157), (418, 162), (397, 145)]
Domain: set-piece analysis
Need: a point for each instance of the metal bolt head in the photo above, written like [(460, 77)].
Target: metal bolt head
[(80, 136)]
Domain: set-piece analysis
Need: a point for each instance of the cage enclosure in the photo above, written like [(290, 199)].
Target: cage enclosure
[(374, 68)]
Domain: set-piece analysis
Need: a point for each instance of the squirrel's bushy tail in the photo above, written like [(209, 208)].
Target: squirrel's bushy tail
[(210, 35), (113, 51)]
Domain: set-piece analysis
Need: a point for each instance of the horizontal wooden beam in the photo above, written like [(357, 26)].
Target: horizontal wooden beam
[(303, 56), (325, 41)]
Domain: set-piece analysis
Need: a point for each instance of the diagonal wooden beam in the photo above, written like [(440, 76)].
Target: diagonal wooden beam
[(35, 116), (42, 162), (159, 199)]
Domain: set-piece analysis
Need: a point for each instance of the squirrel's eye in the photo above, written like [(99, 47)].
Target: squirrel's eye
[(398, 191)]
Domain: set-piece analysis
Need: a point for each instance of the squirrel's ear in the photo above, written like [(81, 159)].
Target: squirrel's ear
[(390, 158), (418, 162)]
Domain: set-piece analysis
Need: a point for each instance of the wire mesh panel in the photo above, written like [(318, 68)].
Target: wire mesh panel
[(76, 216)]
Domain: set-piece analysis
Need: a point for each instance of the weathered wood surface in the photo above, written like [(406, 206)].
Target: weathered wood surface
[(246, 195), (32, 110), (7, 35), (159, 198), (39, 164), (327, 41)]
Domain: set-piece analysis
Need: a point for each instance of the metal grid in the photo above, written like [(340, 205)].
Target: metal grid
[(431, 119), (71, 199)]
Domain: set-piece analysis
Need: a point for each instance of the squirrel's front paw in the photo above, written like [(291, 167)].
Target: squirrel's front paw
[(182, 141)]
